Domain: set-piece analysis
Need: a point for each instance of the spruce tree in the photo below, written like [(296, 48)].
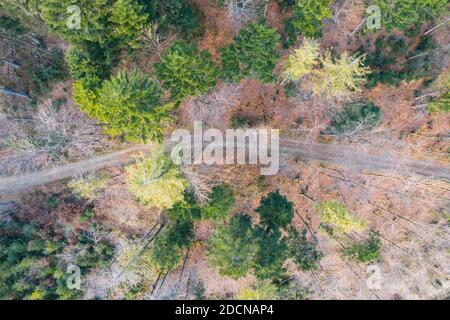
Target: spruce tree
[(185, 210), (355, 117), (230, 68), (104, 22), (232, 247), (220, 204), (254, 53), (404, 14), (181, 16), (302, 251), (275, 211), (365, 252), (185, 71), (128, 105), (107, 27), (165, 254), (169, 247), (271, 254), (307, 19)]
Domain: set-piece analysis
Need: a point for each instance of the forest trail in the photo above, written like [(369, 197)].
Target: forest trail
[(18, 183), (362, 158), (352, 157)]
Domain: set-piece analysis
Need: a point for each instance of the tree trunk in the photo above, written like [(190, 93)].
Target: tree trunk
[(15, 66), (14, 93), (436, 27)]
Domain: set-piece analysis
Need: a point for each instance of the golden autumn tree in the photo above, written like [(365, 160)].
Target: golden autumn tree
[(336, 215), (155, 181), (302, 61), (339, 76)]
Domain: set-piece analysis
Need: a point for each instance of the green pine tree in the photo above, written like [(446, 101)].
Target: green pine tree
[(165, 254), (232, 247), (185, 71), (107, 27), (271, 254), (254, 53), (104, 22), (181, 16), (128, 105), (185, 210), (404, 14), (367, 251), (220, 204), (307, 19), (275, 211), (304, 252)]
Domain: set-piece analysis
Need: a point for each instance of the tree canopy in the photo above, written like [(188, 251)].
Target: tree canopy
[(181, 16), (165, 253), (185, 210), (31, 266), (129, 106), (355, 117), (339, 76), (220, 204), (367, 251), (328, 75), (254, 53), (275, 211), (232, 247), (89, 187), (238, 247), (262, 290), (441, 104), (271, 254), (186, 71), (306, 19), (403, 14), (302, 61), (156, 181), (304, 252), (103, 22), (336, 215), (106, 28)]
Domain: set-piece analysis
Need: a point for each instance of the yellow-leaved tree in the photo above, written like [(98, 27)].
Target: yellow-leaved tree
[(334, 214), (155, 181), (339, 77), (89, 187), (441, 103), (302, 61), (262, 290)]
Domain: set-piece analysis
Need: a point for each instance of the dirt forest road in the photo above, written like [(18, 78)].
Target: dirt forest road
[(16, 184), (360, 158), (355, 158)]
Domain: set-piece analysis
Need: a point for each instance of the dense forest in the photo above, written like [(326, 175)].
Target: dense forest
[(359, 91)]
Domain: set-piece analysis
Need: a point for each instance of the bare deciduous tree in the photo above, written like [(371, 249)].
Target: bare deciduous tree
[(47, 136), (152, 36), (213, 108), (199, 186), (244, 11)]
